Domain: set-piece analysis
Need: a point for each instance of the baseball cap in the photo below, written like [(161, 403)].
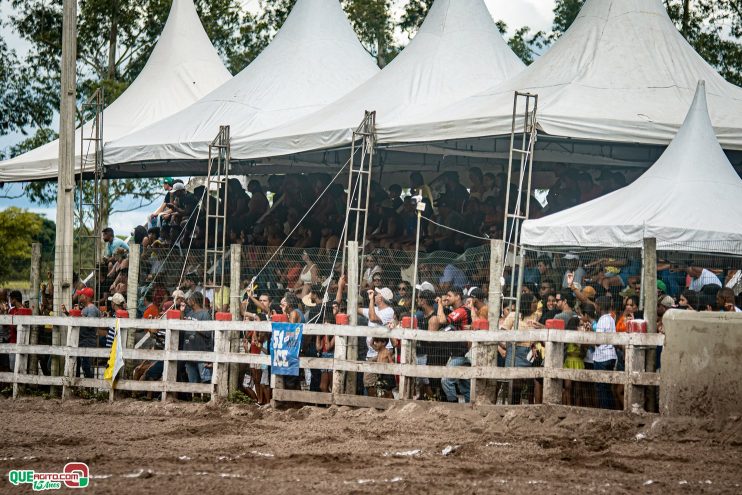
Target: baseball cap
[(179, 186), (476, 293), (168, 180), (117, 299), (307, 300), (425, 286), (661, 286), (178, 293), (667, 301), (386, 293), (85, 291), (571, 256)]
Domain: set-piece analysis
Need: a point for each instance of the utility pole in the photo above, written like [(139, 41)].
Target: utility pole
[(66, 177)]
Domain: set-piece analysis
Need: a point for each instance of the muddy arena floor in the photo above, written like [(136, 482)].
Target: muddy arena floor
[(143, 447)]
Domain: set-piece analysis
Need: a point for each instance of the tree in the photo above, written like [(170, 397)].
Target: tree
[(565, 13), (18, 229), (524, 46), (414, 15), (712, 27), (372, 21)]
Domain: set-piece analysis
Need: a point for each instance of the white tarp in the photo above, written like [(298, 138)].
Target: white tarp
[(313, 60), (621, 73), (457, 52), (689, 200), (183, 67)]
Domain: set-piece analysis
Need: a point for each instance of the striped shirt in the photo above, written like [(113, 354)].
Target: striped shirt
[(706, 278), (605, 353)]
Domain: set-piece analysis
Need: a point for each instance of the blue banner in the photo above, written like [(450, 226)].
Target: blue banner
[(286, 344)]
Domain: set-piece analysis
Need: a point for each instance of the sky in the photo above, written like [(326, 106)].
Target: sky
[(538, 14)]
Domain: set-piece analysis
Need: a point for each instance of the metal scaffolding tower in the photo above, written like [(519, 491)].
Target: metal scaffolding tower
[(90, 194), (523, 137), (359, 184), (217, 181)]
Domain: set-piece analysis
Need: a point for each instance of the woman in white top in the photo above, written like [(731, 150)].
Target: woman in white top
[(309, 276)]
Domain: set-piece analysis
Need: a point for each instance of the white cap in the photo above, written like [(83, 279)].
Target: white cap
[(117, 299), (425, 286), (179, 186), (571, 256), (386, 293)]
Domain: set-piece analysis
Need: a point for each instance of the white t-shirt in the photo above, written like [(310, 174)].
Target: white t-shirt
[(706, 278), (605, 352), (386, 315)]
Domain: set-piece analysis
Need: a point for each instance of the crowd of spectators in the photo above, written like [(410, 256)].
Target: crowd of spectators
[(306, 215)]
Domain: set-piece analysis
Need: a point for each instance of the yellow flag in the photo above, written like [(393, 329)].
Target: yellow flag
[(116, 358)]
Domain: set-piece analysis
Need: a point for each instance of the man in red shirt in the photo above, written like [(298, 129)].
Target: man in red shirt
[(457, 317), (16, 302)]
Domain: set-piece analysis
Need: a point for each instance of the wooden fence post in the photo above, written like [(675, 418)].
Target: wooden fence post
[(354, 284), (132, 301), (484, 391), (634, 394), (22, 338), (649, 294), (235, 267), (169, 366), (33, 362), (70, 361), (552, 361)]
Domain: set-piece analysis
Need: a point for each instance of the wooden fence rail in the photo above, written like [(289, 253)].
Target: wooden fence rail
[(635, 378)]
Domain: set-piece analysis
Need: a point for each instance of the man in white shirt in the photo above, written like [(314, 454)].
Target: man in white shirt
[(700, 277), (604, 356)]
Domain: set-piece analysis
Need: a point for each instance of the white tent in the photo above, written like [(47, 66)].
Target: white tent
[(690, 200), (314, 59), (457, 52), (622, 73), (183, 67)]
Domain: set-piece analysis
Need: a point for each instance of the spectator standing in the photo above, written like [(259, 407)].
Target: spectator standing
[(604, 356), (195, 340), (427, 320), (88, 335), (457, 318)]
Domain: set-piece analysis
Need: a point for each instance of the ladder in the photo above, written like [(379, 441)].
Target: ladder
[(523, 137), (90, 194), (359, 185), (217, 181)]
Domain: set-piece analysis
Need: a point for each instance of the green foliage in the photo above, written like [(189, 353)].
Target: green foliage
[(714, 29), (239, 397), (523, 44), (373, 24), (18, 229), (565, 13), (414, 15)]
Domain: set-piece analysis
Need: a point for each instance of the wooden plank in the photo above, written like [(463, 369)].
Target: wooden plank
[(457, 372), (283, 395), (614, 377), (8, 377), (350, 331), (235, 270)]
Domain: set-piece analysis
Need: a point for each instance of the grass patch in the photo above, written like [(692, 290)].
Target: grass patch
[(239, 397), (18, 285)]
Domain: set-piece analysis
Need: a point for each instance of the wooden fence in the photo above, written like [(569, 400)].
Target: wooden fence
[(635, 378)]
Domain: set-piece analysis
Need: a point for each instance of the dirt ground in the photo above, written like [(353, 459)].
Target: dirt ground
[(142, 447)]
